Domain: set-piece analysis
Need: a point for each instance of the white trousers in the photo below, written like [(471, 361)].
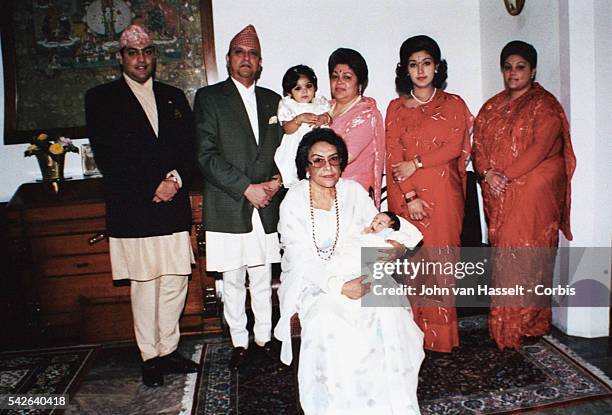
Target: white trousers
[(234, 298), (156, 307)]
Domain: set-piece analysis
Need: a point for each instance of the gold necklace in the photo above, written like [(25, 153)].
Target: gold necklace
[(324, 253)]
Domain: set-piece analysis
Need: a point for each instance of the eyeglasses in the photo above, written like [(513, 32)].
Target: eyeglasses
[(319, 162)]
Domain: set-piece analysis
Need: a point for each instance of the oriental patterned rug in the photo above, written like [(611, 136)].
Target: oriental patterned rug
[(479, 379), (475, 379), (261, 386), (43, 372)]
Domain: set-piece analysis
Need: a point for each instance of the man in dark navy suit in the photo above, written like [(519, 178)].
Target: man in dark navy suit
[(141, 134)]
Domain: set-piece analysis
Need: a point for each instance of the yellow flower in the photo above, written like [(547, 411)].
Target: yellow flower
[(42, 137), (56, 148)]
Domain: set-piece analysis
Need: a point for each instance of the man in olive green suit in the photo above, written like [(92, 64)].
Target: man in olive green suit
[(237, 134)]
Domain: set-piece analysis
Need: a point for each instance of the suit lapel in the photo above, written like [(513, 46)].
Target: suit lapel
[(238, 109), (133, 107), (263, 109), (163, 107)]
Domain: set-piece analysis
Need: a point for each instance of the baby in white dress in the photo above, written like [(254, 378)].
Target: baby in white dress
[(299, 112)]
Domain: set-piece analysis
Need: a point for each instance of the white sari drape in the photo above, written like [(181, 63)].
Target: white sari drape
[(353, 359)]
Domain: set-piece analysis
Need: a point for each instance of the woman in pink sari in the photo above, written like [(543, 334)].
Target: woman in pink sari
[(357, 120)]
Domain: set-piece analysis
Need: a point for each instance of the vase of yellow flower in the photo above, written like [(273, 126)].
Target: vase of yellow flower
[(51, 168), (50, 154)]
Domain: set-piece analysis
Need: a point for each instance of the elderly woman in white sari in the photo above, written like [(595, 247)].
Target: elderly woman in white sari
[(353, 359)]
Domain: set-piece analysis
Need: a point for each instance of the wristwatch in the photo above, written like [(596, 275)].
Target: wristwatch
[(410, 196)]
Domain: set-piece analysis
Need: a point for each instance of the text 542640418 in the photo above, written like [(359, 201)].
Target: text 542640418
[(33, 401)]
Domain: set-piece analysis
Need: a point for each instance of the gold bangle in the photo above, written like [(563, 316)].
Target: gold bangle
[(417, 162)]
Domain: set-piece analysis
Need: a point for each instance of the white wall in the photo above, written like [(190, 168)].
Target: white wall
[(586, 71), (537, 24), (603, 126), (294, 33)]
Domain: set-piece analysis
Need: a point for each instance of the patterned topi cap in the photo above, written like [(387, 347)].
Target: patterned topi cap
[(135, 36), (246, 37)]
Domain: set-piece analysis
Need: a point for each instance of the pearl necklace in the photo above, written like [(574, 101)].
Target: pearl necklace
[(345, 110), (324, 253), (423, 102)]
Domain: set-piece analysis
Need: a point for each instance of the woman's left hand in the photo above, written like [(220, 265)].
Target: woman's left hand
[(394, 253), (403, 170), (497, 182)]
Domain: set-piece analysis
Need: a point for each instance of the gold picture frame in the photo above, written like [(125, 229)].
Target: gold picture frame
[(55, 50)]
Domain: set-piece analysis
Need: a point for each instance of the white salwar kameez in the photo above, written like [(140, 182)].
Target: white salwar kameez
[(353, 359)]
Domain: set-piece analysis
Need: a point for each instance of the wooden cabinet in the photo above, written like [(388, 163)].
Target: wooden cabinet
[(58, 249)]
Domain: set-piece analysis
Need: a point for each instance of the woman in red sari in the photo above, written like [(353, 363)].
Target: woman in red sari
[(427, 137), (357, 120), (523, 152)]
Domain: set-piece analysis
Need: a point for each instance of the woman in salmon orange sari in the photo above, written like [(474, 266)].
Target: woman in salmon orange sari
[(523, 152), (427, 137)]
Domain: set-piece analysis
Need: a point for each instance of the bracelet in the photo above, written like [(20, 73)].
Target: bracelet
[(297, 122), (417, 162)]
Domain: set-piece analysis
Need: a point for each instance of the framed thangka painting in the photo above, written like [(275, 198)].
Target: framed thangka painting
[(55, 50)]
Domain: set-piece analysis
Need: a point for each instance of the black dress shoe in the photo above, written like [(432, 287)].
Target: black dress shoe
[(175, 363), (152, 375), (238, 358)]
